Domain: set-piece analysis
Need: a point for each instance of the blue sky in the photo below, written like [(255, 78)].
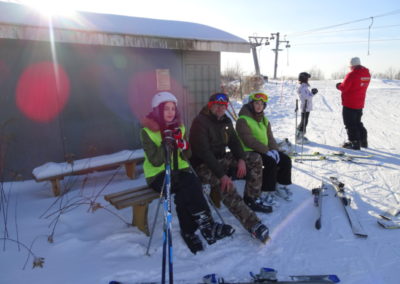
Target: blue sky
[(327, 49)]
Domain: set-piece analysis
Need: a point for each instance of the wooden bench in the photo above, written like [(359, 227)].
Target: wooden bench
[(55, 172), (138, 198)]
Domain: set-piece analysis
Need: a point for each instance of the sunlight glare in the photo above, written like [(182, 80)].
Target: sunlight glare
[(52, 8)]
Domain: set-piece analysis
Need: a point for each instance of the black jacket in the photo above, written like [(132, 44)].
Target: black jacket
[(209, 138)]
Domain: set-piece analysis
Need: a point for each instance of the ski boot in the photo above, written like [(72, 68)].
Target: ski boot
[(257, 204), (192, 241), (283, 192), (269, 198), (260, 231), (210, 230), (354, 145)]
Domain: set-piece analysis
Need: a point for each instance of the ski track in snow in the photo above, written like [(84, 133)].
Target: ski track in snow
[(99, 247)]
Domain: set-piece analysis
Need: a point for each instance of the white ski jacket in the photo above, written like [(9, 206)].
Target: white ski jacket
[(305, 94)]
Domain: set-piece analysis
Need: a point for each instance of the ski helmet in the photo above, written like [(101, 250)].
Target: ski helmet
[(218, 98), (258, 96), (163, 97), (304, 76)]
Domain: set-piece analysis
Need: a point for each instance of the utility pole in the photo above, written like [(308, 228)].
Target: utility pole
[(276, 50), (254, 42)]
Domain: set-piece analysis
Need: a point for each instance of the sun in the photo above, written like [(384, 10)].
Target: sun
[(52, 8)]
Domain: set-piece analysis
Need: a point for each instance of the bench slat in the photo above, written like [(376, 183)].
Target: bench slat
[(147, 198), (131, 195), (140, 188)]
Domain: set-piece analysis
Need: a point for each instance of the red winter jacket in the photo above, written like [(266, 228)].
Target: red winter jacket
[(354, 87)]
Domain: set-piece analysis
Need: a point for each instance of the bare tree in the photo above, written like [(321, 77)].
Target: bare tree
[(316, 73), (340, 74)]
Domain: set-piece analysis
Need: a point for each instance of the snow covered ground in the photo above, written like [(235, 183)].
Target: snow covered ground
[(97, 247)]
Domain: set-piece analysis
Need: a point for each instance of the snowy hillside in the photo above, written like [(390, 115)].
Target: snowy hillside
[(97, 247)]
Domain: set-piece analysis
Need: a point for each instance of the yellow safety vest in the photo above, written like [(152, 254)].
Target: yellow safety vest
[(149, 169), (258, 129)]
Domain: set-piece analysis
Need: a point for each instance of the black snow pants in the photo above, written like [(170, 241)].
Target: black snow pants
[(189, 198), (354, 127), (276, 173)]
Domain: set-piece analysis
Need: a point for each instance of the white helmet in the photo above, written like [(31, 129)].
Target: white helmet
[(163, 97)]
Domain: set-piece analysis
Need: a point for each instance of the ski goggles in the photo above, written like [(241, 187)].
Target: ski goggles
[(219, 98), (259, 97)]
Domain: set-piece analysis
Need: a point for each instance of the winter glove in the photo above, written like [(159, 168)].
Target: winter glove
[(337, 85), (314, 91), (180, 142), (274, 155)]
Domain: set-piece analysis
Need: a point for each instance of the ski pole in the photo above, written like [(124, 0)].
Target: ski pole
[(154, 223), (167, 239), (303, 118), (233, 111), (295, 126)]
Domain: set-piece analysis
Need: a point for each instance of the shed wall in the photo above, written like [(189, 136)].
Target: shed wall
[(102, 93)]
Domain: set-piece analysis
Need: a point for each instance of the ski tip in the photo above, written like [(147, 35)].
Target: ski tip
[(334, 278)]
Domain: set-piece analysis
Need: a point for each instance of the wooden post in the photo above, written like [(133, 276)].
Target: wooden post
[(140, 217), (130, 169), (56, 187)]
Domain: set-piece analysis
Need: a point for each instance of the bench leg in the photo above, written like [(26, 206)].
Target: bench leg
[(140, 217), (216, 197), (130, 169), (56, 187)]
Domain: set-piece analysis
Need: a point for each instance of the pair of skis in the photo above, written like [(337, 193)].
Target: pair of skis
[(269, 275), (317, 156), (355, 224), (318, 194)]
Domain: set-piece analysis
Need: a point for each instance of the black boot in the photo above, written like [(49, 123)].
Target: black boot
[(354, 145), (210, 230), (260, 231), (192, 241), (364, 144), (257, 205)]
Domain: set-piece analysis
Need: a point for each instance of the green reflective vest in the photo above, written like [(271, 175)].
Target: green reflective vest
[(258, 129), (149, 169)]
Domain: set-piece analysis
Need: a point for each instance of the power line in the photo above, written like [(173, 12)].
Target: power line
[(344, 42), (350, 30), (350, 22)]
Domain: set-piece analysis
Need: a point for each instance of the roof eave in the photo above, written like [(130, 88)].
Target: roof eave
[(11, 31)]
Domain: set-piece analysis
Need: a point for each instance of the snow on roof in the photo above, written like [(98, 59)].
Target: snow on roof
[(20, 15)]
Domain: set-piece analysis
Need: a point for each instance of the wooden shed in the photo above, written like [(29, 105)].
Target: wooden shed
[(76, 87)]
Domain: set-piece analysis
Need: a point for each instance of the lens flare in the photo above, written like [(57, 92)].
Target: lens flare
[(42, 91)]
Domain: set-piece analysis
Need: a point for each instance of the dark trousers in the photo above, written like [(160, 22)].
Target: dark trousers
[(189, 198), (354, 127), (273, 172), (303, 122)]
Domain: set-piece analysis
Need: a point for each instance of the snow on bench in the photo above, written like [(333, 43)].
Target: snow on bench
[(54, 172)]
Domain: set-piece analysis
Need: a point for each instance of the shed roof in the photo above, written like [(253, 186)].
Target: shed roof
[(24, 22)]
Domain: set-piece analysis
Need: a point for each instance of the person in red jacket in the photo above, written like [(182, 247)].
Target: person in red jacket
[(354, 88)]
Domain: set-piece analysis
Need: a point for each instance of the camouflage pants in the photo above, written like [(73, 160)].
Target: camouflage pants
[(231, 198)]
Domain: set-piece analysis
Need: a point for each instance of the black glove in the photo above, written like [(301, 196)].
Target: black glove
[(314, 91), (337, 85), (168, 139)]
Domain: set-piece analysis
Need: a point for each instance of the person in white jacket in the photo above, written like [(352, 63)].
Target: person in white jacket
[(305, 96)]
